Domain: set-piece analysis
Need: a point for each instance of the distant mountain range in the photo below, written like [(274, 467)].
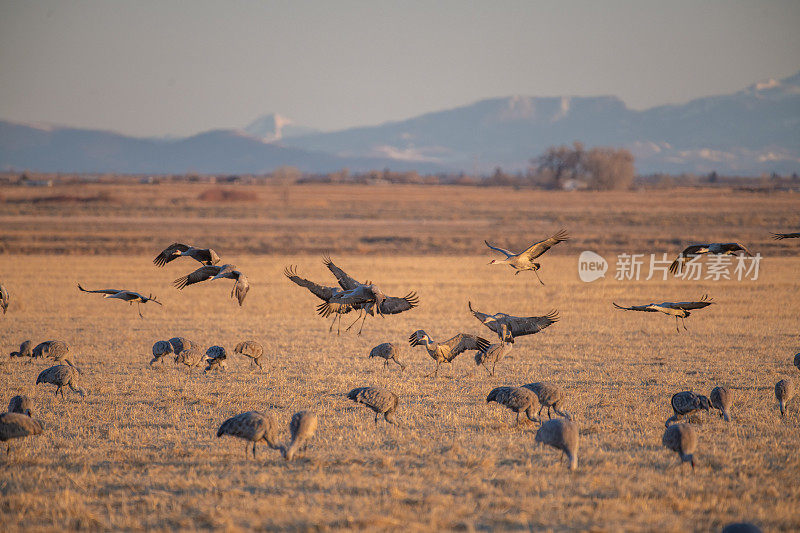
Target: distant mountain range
[(749, 132)]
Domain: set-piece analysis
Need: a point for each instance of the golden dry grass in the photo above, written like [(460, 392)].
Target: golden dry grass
[(140, 452)]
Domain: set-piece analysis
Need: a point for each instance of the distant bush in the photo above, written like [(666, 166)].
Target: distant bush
[(218, 194), (597, 169)]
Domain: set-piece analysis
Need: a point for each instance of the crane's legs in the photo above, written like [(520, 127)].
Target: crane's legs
[(683, 321), (676, 325), (360, 311), (335, 317), (492, 373), (435, 371), (362, 323), (537, 276)]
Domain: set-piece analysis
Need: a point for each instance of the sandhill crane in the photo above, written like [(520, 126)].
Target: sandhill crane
[(216, 357), (517, 399), (191, 357), (364, 297), (58, 351), (781, 236), (179, 344), (252, 350), (677, 309), (61, 376), (382, 401), (161, 349), (492, 355), (784, 391), (252, 426), (322, 292), (445, 352), (714, 248), (125, 295), (17, 426), (302, 427), (682, 439), (388, 352), (214, 272), (24, 350), (722, 399), (562, 434), (524, 260), (20, 404), (687, 403), (515, 326), (4, 298), (206, 256), (550, 395)]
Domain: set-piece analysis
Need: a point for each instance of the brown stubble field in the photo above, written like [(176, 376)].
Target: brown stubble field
[(140, 452)]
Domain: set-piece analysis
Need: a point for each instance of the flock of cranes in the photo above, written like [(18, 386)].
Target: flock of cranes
[(367, 299)]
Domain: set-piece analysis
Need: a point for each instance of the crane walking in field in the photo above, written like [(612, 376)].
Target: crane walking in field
[(550, 395), (509, 327), (161, 349), (784, 391), (179, 344), (213, 272), (206, 256), (252, 350), (722, 400), (301, 428), (381, 401), (388, 352), (517, 399), (24, 350), (20, 404), (686, 403), (58, 351), (677, 309), (714, 248), (493, 354), (191, 357), (216, 357), (524, 260), (445, 352), (561, 434), (681, 439), (61, 376), (124, 295), (17, 426), (252, 426)]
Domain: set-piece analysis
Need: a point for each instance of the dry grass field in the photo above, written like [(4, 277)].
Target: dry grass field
[(141, 452)]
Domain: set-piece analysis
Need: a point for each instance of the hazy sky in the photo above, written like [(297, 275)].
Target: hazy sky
[(159, 67)]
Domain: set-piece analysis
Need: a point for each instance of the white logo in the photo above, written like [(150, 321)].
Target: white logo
[(591, 266)]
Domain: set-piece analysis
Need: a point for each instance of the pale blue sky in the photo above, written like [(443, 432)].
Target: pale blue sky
[(160, 67)]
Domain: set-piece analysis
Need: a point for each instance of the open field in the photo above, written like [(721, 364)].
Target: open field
[(140, 452), (410, 220)]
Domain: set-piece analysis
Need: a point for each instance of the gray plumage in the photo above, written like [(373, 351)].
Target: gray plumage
[(24, 350), (388, 352), (382, 401), (216, 357), (61, 376), (784, 391), (206, 256), (124, 295), (20, 404), (252, 350), (492, 355), (681, 439), (677, 309), (517, 399), (302, 427), (524, 260), (445, 352), (508, 327), (252, 426), (687, 403), (5, 299), (17, 426), (714, 248), (161, 349), (561, 434), (214, 272), (550, 396), (722, 399), (180, 344), (191, 357)]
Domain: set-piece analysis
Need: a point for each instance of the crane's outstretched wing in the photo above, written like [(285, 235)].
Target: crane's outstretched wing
[(393, 304), (483, 317), (676, 265), (100, 291), (241, 287), (320, 291), (527, 325), (731, 247), (781, 236), (346, 282), (704, 301), (542, 246), (168, 254), (646, 308), (501, 250), (201, 274), (463, 342), (326, 309)]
